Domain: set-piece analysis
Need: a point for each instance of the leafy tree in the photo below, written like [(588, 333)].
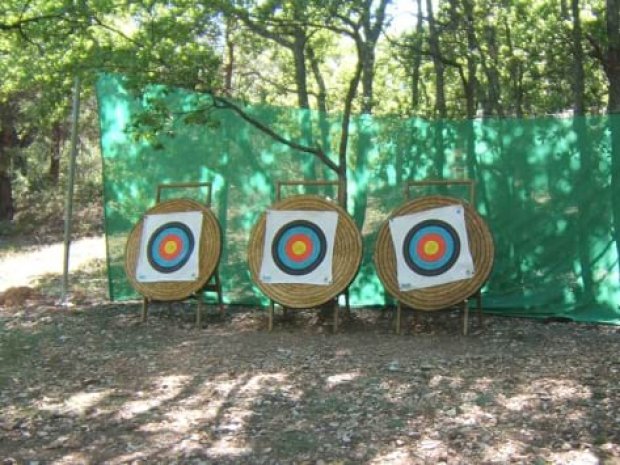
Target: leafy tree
[(47, 43), (606, 48)]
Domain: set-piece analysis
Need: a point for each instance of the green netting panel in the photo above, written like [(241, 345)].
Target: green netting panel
[(543, 185)]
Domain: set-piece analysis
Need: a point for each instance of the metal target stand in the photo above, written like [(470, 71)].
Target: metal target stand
[(447, 296), (342, 203), (214, 283), (464, 306)]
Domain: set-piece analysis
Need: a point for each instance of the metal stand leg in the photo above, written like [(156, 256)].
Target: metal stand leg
[(145, 309), (198, 310), (479, 304), (415, 317), (336, 311), (398, 316), (270, 321), (218, 290), (220, 302), (465, 317)]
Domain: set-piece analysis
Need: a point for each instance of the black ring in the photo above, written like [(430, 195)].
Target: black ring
[(455, 255), (313, 266), (181, 264)]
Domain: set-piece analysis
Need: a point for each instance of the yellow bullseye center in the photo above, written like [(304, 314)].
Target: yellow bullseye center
[(170, 247), (431, 248), (299, 248)]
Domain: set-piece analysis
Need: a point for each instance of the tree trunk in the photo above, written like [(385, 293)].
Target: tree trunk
[(299, 57), (441, 110), (8, 141), (320, 82), (584, 241), (58, 137), (611, 64), (7, 209), (612, 60), (492, 103), (515, 68), (230, 59), (469, 86), (366, 56), (614, 125), (368, 74), (344, 133), (417, 60), (303, 102), (322, 108)]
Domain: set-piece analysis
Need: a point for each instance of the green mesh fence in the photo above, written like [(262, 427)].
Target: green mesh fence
[(543, 185)]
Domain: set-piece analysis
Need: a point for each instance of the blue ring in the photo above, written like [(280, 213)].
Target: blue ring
[(283, 240), (278, 247), (187, 240), (423, 267), (443, 260)]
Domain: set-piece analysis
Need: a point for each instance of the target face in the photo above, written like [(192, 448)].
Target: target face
[(169, 247), (298, 247), (431, 248)]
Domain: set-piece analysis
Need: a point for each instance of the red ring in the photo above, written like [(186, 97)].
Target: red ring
[(289, 247), (162, 247), (427, 238)]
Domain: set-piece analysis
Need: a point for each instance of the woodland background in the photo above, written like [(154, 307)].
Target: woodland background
[(91, 384), (445, 61)]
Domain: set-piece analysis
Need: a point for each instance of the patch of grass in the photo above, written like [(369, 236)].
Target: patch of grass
[(329, 404), (427, 407), (396, 423), (6, 247), (90, 281), (12, 246), (600, 439), (39, 217), (484, 398), (296, 442), (16, 348)]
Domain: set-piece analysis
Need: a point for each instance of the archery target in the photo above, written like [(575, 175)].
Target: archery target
[(431, 247), (298, 247), (169, 247)]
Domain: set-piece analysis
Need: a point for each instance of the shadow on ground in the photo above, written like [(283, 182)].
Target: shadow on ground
[(94, 385)]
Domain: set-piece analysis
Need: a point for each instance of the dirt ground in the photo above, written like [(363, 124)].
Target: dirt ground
[(92, 384), (17, 263)]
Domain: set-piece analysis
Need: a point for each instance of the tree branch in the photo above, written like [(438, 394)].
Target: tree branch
[(597, 51), (101, 24), (282, 88), (22, 22), (346, 117), (317, 151)]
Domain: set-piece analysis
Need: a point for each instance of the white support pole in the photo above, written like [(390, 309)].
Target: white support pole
[(75, 112)]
